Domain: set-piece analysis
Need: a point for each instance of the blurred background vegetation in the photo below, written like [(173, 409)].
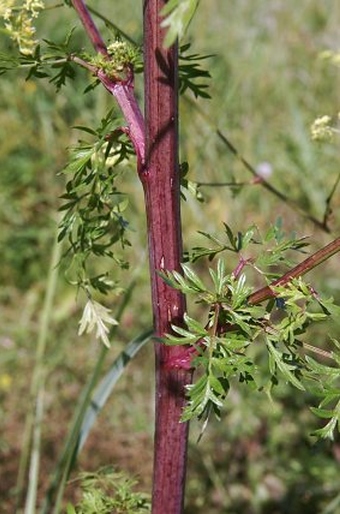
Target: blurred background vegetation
[(267, 87)]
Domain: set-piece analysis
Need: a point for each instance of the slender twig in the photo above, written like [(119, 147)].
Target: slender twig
[(260, 180), (224, 184), (298, 271), (90, 27), (328, 209), (317, 351), (125, 96), (115, 27), (267, 185), (84, 64)]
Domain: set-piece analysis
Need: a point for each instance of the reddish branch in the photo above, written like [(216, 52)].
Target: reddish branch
[(90, 27), (298, 271), (122, 90), (185, 360)]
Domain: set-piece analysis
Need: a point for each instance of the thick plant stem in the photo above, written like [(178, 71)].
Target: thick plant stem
[(156, 147), (160, 178)]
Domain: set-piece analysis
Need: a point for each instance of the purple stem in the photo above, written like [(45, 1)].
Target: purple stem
[(122, 90), (161, 184), (156, 147), (126, 99), (90, 27)]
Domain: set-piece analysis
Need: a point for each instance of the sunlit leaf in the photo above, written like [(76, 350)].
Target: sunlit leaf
[(178, 14)]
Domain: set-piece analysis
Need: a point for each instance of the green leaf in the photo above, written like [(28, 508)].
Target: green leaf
[(286, 369), (80, 159), (193, 278), (186, 336), (190, 72), (179, 14), (327, 432), (105, 388), (217, 386), (329, 307), (322, 413), (195, 326), (177, 281), (201, 396), (318, 368), (231, 237)]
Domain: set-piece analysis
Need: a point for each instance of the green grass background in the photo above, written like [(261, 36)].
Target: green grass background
[(267, 87)]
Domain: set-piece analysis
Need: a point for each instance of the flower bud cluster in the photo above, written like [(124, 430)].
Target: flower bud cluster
[(322, 130), (19, 22), (122, 58)]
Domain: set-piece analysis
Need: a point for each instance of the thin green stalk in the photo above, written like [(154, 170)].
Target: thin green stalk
[(63, 468), (66, 461), (32, 432), (33, 474)]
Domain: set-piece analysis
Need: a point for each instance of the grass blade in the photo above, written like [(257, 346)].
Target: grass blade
[(107, 384), (70, 451), (30, 456)]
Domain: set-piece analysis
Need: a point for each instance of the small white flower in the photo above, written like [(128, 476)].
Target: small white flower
[(6, 8), (34, 7), (19, 22), (264, 170), (117, 46), (96, 316)]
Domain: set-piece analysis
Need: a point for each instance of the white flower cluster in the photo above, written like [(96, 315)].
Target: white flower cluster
[(321, 129), (6, 9), (18, 20), (96, 316), (121, 54), (331, 56)]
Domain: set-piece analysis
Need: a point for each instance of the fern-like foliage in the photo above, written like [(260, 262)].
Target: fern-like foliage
[(107, 491), (93, 220), (221, 347), (190, 71)]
